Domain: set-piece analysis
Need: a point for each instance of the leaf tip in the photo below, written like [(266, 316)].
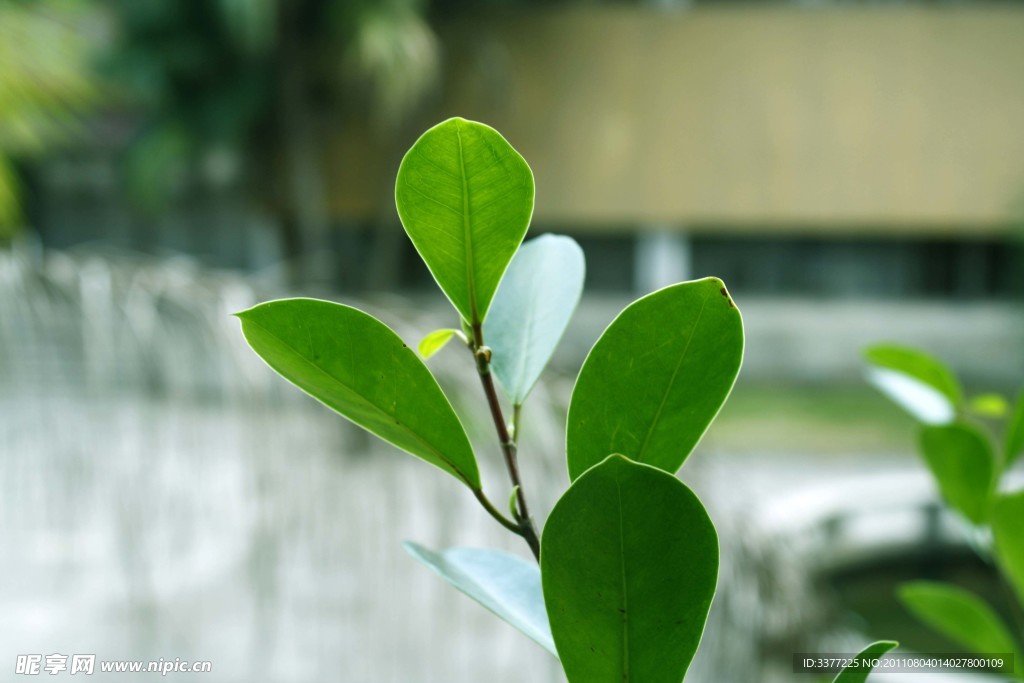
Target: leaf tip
[(617, 462), (248, 312)]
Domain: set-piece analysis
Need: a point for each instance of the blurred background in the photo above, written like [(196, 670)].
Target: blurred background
[(854, 171)]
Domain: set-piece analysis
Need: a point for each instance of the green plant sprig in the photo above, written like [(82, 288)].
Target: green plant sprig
[(627, 563)]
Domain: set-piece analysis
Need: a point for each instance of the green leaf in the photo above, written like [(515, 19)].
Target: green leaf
[(964, 466), (436, 340), (957, 614), (915, 381), (988, 405), (656, 378), (505, 584), (1015, 432), (465, 197), (355, 364), (531, 310), (1008, 532), (859, 674), (629, 563)]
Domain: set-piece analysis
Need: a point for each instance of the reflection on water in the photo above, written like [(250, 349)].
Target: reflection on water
[(164, 495)]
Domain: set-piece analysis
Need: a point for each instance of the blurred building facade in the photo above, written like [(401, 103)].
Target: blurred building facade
[(853, 152), (774, 136)]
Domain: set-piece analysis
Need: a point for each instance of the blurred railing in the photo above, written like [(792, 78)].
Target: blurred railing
[(163, 494)]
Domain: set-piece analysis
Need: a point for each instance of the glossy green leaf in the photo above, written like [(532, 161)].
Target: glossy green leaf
[(465, 197), (656, 378), (915, 381), (356, 365), (505, 584), (629, 563), (1015, 432), (964, 466), (959, 615), (1008, 531), (860, 673), (436, 340), (531, 310)]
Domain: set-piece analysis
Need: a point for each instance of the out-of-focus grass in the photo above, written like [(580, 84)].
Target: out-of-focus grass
[(810, 419)]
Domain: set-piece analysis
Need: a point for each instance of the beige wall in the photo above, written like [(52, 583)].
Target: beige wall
[(848, 120)]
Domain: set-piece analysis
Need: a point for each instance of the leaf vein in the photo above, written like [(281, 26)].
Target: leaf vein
[(436, 201)]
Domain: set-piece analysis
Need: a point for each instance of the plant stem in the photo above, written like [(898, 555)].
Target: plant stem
[(494, 512), (508, 445), (516, 421)]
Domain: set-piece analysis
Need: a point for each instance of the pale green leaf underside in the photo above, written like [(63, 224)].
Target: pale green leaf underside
[(656, 378), (860, 674), (915, 381), (1008, 531), (356, 365), (959, 615), (465, 197), (961, 459), (629, 564), (531, 310), (505, 584)]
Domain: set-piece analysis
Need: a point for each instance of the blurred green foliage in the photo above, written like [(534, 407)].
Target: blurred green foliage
[(45, 84), (243, 77), (213, 87)]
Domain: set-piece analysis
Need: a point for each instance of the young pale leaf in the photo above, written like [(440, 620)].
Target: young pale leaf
[(465, 197), (629, 563), (859, 673), (959, 615), (531, 310), (436, 340), (656, 378), (1015, 432), (915, 381), (1008, 531), (964, 466), (505, 584), (355, 364)]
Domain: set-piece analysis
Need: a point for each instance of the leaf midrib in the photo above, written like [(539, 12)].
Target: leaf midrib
[(467, 231), (671, 383), (524, 356), (625, 589), (403, 427)]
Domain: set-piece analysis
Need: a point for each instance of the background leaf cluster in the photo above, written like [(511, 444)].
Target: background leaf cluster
[(969, 446)]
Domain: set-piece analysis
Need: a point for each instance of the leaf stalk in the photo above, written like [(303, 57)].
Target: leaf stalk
[(514, 527), (508, 445)]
